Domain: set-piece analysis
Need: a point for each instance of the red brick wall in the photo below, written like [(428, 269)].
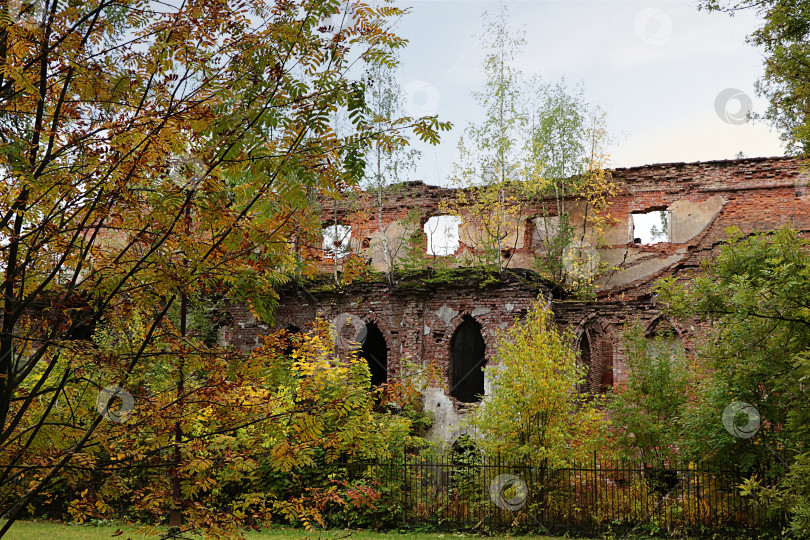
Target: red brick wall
[(418, 323)]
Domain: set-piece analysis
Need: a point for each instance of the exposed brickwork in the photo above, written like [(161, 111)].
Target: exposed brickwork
[(757, 194), (418, 322)]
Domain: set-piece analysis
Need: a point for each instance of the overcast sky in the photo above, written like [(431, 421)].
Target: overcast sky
[(657, 67)]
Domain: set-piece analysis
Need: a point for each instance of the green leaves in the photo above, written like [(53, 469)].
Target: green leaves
[(647, 407), (150, 154), (534, 410), (755, 294)]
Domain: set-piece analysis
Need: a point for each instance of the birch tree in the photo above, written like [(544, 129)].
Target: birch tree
[(389, 158), (492, 156), (539, 143)]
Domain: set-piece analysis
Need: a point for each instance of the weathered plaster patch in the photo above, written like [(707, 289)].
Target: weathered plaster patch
[(689, 219), (446, 314), (445, 417), (639, 271)]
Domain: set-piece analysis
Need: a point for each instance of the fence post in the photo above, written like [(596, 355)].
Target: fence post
[(595, 491)]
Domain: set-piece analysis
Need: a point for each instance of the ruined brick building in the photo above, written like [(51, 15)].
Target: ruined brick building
[(452, 323)]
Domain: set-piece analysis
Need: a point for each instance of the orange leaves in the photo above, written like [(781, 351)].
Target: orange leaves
[(113, 236)]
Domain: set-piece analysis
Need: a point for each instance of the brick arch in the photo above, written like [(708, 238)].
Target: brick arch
[(467, 312), (382, 324), (680, 330), (652, 325), (487, 330), (393, 360), (283, 323), (595, 342)]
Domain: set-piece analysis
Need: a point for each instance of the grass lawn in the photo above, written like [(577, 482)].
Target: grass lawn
[(42, 530)]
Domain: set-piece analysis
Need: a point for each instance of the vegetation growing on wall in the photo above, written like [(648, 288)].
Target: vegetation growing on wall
[(646, 408), (539, 143)]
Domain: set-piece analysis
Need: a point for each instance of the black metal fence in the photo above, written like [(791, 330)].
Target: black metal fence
[(474, 493)]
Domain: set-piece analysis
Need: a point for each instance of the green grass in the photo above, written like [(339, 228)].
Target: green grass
[(43, 530)]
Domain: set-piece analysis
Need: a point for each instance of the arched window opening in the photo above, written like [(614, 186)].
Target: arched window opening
[(585, 358), (596, 354), (375, 352), (442, 235), (467, 361), (663, 341)]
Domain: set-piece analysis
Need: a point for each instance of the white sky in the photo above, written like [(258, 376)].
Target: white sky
[(656, 67)]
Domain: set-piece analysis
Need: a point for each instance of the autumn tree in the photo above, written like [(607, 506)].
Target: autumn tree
[(492, 156), (539, 143), (569, 159), (389, 158), (534, 409), (153, 153)]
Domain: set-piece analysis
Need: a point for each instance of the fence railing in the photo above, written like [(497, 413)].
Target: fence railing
[(478, 493)]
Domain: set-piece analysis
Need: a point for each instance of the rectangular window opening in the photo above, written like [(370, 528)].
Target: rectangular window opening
[(651, 227), (442, 235)]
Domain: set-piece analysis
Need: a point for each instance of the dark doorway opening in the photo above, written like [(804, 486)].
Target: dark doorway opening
[(467, 350), (585, 358), (375, 352), (596, 354)]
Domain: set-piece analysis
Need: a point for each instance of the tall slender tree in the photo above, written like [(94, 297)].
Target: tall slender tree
[(389, 158), (538, 142), (492, 158), (569, 158)]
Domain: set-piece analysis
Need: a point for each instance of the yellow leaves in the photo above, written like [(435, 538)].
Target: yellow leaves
[(104, 508), (533, 410), (251, 395), (197, 465), (198, 486), (81, 508), (283, 458)]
